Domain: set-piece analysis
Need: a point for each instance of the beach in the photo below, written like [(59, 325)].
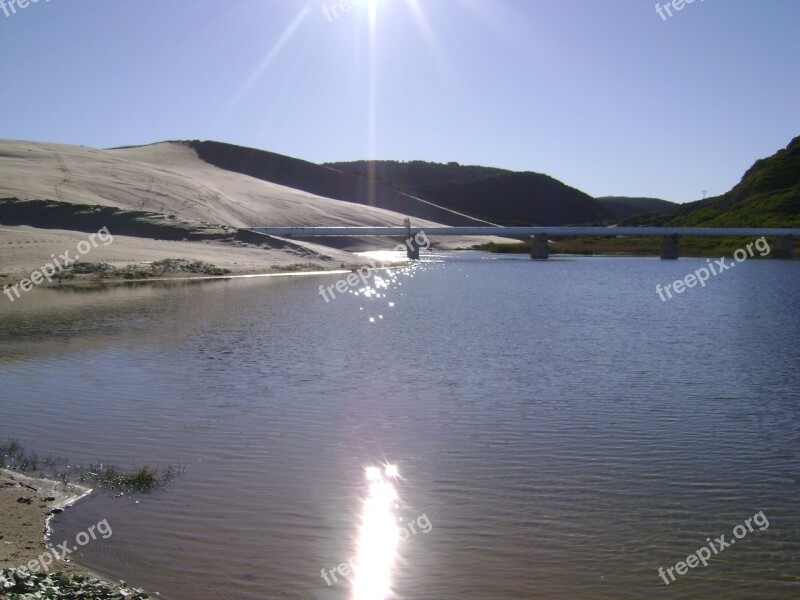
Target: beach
[(27, 505)]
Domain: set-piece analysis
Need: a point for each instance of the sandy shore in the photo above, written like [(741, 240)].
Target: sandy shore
[(27, 505), (24, 249)]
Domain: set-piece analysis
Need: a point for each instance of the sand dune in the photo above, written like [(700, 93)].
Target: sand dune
[(169, 178), (158, 193)]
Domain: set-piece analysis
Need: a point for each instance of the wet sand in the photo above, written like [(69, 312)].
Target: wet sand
[(27, 505)]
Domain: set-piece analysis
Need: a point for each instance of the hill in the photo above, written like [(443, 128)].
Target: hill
[(496, 195), (519, 199), (624, 207), (322, 181), (768, 195), (412, 176)]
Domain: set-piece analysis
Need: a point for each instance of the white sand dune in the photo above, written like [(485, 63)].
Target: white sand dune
[(169, 178)]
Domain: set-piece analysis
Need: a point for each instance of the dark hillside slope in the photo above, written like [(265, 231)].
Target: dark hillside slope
[(519, 199), (413, 175), (496, 195), (320, 180), (624, 207)]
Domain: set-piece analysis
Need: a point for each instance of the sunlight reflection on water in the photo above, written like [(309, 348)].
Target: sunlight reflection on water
[(378, 536)]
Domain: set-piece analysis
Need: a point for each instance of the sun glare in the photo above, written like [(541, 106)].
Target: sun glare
[(378, 536)]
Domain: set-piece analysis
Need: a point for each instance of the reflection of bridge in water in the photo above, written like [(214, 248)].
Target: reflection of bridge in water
[(782, 247)]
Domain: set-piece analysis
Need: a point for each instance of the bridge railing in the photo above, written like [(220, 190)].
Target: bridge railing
[(525, 231), (784, 246)]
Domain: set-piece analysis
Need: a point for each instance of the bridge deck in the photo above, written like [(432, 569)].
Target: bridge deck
[(522, 231)]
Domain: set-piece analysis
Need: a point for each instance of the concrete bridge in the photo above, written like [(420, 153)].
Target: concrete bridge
[(782, 247)]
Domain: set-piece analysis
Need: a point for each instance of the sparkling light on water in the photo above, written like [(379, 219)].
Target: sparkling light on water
[(378, 536)]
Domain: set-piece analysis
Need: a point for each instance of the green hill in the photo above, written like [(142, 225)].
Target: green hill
[(767, 196)]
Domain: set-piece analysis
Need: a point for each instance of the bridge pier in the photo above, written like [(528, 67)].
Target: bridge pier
[(670, 247), (412, 245), (539, 249), (783, 247), (412, 248)]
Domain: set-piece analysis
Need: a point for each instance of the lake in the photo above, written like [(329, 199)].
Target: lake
[(557, 430)]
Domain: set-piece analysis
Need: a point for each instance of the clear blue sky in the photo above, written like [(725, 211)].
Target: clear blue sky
[(604, 95)]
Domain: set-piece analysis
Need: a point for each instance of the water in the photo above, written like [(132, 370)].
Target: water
[(564, 432)]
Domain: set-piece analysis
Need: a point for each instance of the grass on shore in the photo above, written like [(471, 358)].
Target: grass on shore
[(299, 267), (631, 246), (142, 480), (143, 271)]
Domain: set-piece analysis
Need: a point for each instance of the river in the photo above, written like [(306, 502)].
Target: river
[(537, 430)]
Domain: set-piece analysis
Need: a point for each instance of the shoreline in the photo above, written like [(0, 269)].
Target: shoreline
[(89, 282), (25, 252), (28, 505)]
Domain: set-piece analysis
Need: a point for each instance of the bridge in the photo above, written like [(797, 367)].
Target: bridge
[(783, 246)]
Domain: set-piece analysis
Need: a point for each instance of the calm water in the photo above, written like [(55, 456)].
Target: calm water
[(562, 430)]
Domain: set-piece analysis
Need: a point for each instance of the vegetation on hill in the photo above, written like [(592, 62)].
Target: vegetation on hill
[(496, 195), (414, 175), (624, 207), (320, 180), (519, 199), (767, 196)]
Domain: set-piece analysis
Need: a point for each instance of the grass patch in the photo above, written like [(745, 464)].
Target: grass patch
[(714, 247), (628, 245), (13, 456), (144, 271), (298, 268), (141, 480), (505, 248)]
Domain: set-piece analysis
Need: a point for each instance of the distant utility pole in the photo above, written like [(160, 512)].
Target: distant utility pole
[(704, 194)]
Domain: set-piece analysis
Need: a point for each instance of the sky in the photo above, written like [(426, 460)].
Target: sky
[(604, 95)]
